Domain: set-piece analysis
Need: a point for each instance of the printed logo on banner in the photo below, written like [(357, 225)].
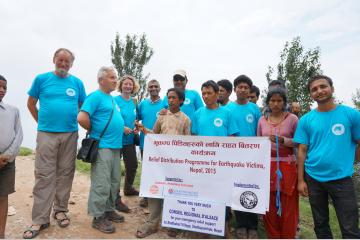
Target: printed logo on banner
[(249, 118), (154, 189), (248, 200), (338, 129), (218, 122), (183, 193)]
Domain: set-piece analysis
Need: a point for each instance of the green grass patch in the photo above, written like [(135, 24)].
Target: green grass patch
[(307, 223), (24, 151), (85, 168)]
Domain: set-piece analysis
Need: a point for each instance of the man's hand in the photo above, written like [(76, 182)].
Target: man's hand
[(303, 189), (163, 111), (3, 160), (127, 130)]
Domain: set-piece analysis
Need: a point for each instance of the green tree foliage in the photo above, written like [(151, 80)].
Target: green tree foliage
[(295, 68), (356, 98), (129, 57)]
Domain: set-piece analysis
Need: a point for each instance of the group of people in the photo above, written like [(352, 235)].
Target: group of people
[(312, 156)]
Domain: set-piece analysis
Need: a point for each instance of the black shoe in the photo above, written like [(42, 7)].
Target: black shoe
[(131, 192), (114, 217), (121, 207), (103, 225)]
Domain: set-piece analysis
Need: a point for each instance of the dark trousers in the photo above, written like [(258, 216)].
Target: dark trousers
[(246, 220), (342, 193), (131, 164)]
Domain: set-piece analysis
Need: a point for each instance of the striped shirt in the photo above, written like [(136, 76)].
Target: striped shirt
[(172, 124)]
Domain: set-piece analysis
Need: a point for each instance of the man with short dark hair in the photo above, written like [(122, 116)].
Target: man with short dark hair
[(214, 120), (225, 90), (60, 95), (254, 94), (148, 112), (295, 108), (247, 115), (10, 142), (328, 137)]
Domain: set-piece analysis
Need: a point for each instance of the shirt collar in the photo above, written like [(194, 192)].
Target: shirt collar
[(175, 114), (155, 100), (2, 105)]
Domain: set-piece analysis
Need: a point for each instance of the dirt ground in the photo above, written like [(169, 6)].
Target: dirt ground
[(80, 227)]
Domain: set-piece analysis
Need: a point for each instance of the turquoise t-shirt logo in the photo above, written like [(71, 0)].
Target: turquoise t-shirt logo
[(187, 101), (249, 118), (70, 92), (338, 129), (218, 122)]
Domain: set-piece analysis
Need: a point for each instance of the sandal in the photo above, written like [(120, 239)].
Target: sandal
[(34, 232), (172, 233), (145, 231), (62, 222)]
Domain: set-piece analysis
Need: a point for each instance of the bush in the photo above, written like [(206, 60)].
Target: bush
[(24, 151)]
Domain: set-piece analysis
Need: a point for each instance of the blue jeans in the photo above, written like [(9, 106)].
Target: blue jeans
[(342, 193)]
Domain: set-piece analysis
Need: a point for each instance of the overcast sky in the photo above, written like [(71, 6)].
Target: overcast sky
[(210, 39)]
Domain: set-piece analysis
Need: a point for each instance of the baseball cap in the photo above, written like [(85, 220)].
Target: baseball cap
[(180, 72)]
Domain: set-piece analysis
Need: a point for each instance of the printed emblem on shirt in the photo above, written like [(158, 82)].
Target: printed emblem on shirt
[(218, 122), (249, 118), (187, 101), (338, 129), (70, 92)]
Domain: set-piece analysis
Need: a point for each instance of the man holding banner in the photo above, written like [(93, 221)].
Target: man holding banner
[(174, 122), (247, 117), (221, 124)]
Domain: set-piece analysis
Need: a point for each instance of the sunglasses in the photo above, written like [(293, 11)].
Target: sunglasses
[(178, 78)]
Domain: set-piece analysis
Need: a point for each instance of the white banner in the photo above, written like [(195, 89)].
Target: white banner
[(214, 169), (194, 215)]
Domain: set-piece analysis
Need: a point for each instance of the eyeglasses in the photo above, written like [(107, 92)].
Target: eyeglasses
[(178, 78)]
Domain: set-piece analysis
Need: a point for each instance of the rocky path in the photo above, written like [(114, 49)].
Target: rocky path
[(80, 228)]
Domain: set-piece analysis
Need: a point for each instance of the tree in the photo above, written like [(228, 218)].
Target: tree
[(129, 57), (295, 68), (356, 98)]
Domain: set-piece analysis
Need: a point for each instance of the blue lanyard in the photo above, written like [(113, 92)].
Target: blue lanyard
[(279, 176)]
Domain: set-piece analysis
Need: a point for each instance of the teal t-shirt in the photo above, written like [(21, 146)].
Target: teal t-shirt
[(192, 103), (99, 106), (148, 112), (59, 100), (213, 122), (246, 117), (128, 112), (331, 139)]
